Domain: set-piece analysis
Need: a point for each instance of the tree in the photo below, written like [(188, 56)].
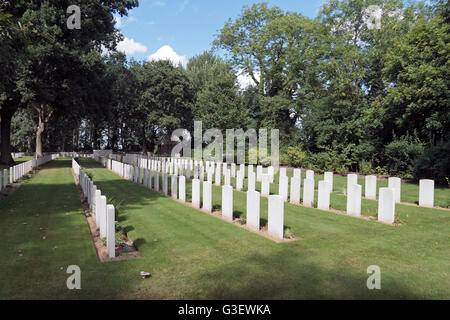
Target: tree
[(56, 55), (216, 101), (165, 97), (418, 69), (280, 52)]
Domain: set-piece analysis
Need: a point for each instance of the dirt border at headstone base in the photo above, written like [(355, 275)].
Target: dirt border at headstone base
[(100, 248)]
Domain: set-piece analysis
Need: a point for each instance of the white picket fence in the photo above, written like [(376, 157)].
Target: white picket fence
[(104, 214)]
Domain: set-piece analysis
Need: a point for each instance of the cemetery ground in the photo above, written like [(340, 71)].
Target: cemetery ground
[(193, 255)]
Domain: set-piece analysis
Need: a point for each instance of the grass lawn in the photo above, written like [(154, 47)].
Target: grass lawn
[(193, 255)]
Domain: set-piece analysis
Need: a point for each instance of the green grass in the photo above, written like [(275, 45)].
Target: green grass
[(193, 255)]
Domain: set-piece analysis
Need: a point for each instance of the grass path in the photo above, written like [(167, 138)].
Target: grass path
[(193, 255)]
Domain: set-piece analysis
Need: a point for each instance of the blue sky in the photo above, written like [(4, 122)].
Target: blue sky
[(182, 29)]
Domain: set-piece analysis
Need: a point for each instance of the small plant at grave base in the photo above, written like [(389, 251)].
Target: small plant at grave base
[(315, 204), (89, 174), (117, 206), (397, 219), (288, 234)]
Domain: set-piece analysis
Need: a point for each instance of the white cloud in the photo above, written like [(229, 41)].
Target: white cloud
[(244, 80), (167, 53), (158, 4), (117, 21), (129, 46)]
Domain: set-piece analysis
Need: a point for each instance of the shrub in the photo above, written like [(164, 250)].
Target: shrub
[(401, 155), (365, 167), (434, 163), (296, 157), (320, 162)]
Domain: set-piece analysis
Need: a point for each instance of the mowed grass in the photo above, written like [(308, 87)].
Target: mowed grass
[(193, 255), (409, 191)]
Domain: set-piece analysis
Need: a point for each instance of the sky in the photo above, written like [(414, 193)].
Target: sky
[(180, 29)]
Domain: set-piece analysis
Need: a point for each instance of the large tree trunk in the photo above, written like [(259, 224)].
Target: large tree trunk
[(5, 147), (40, 129)]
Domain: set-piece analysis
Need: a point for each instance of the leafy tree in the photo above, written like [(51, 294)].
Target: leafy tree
[(165, 97), (217, 100), (418, 69), (53, 71)]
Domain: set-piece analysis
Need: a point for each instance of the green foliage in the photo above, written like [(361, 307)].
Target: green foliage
[(366, 168), (434, 163), (401, 155), (296, 157), (118, 206)]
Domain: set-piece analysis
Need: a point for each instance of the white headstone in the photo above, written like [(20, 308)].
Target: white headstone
[(196, 193), (111, 231), (207, 196), (295, 190), (310, 174), (323, 198), (253, 209), (156, 181), (328, 176), (174, 186), (354, 200), (165, 184), (283, 187), (426, 193), (265, 185), (259, 172), (308, 192), (351, 179), (386, 205), (182, 189), (239, 181), (276, 217), (395, 183), (271, 173), (251, 181), (371, 187), (217, 177), (227, 202), (233, 170), (102, 217), (298, 173), (227, 175)]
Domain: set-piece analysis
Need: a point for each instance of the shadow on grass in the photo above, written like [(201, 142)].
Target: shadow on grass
[(289, 274)]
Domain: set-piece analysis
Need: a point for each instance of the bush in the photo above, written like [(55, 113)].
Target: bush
[(401, 155), (320, 162), (365, 168), (434, 163), (296, 157)]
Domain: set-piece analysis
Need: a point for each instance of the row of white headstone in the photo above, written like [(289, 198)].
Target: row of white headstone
[(426, 189), (104, 214), (16, 172), (386, 210), (213, 170), (150, 179)]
